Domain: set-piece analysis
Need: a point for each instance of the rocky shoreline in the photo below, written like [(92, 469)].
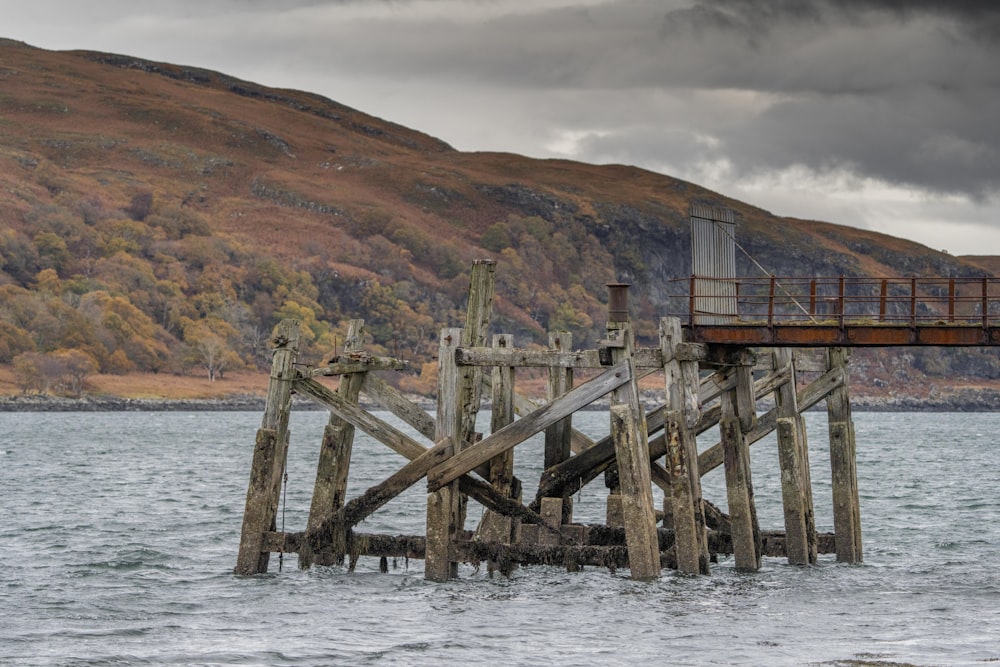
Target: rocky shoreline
[(959, 400)]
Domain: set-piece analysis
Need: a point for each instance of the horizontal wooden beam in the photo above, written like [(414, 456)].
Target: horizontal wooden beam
[(361, 363), (645, 357)]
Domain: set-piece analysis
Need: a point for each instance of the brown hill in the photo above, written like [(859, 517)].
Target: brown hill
[(156, 217)]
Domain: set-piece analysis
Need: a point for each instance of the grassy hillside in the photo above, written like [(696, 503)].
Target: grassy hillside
[(157, 218)]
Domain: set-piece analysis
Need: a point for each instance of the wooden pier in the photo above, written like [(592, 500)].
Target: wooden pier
[(748, 393)]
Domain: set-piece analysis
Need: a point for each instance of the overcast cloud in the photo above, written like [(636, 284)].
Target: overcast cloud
[(875, 113)]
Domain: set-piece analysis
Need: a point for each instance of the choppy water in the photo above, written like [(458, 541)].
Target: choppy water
[(119, 531)]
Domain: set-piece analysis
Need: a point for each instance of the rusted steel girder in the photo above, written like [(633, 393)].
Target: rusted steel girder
[(818, 335)]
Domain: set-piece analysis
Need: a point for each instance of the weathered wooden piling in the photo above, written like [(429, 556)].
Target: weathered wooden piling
[(800, 529), (739, 486), (270, 452), (843, 461), (683, 503), (333, 467)]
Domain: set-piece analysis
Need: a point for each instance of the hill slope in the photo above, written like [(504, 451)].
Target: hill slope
[(155, 217)]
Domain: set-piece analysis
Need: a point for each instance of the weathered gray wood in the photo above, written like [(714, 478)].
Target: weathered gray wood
[(816, 391), (267, 468), (444, 510), (797, 545), (572, 475), (739, 489), (260, 504), (381, 430), (496, 527), (516, 433), (392, 400), (800, 526), (843, 462), (358, 363), (334, 463), (552, 513), (523, 406), (632, 455), (645, 358), (746, 399), (477, 322), (682, 498), (558, 436)]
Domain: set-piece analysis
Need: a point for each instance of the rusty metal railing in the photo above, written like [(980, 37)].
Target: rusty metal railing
[(911, 301)]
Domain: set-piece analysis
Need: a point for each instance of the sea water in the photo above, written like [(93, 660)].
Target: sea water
[(119, 532)]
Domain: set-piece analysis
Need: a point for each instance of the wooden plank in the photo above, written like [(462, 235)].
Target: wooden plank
[(739, 490), (800, 528), (333, 466), (377, 428), (843, 462), (558, 436), (267, 468), (477, 321), (360, 364), (444, 510), (797, 547), (632, 455), (516, 433), (746, 399), (682, 495), (712, 458), (645, 358), (495, 526), (523, 406), (572, 475), (392, 400), (260, 505)]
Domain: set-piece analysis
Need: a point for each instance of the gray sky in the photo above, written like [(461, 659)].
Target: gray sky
[(882, 114)]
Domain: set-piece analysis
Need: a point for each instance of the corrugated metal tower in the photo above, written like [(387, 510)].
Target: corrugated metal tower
[(713, 265)]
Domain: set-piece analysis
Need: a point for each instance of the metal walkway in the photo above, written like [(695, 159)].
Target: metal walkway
[(844, 311)]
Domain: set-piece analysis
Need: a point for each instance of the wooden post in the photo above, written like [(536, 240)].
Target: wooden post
[(800, 528), (270, 452), (636, 492), (334, 464), (496, 527), (631, 493), (739, 486), (558, 437), (846, 504), (477, 322), (443, 505), (681, 412)]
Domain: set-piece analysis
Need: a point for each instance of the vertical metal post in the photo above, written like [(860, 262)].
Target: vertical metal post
[(881, 300), (913, 301), (770, 302), (842, 307), (986, 303), (951, 300)]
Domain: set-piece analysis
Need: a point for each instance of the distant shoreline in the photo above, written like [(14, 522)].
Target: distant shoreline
[(979, 401)]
